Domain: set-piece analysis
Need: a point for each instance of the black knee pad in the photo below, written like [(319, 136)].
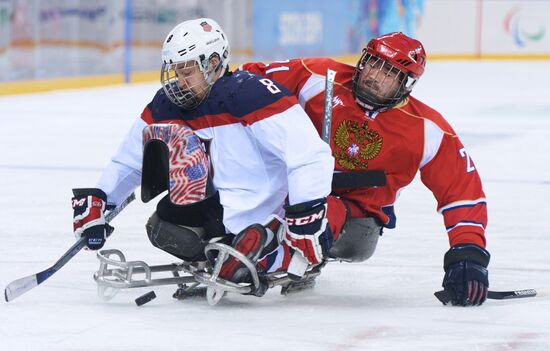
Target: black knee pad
[(357, 241), (186, 243), (207, 214)]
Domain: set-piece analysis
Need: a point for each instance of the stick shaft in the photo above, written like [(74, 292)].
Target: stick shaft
[(298, 264), (20, 286), (327, 116)]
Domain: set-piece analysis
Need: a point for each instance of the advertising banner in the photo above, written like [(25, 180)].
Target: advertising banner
[(287, 28), (449, 27), (517, 27), (67, 38), (506, 29), (5, 12)]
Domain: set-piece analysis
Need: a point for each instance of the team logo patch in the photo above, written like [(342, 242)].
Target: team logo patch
[(355, 145), (337, 101), (79, 202), (206, 27)]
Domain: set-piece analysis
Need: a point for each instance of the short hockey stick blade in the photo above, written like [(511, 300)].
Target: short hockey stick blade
[(20, 286), (445, 297), (516, 294)]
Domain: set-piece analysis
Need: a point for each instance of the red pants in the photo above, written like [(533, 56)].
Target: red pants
[(337, 214)]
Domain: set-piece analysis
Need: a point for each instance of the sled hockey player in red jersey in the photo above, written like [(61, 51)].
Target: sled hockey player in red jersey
[(236, 153), (377, 125)]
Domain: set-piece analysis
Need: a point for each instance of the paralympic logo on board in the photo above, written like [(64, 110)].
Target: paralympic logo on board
[(514, 26)]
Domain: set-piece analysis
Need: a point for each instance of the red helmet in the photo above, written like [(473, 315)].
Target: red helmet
[(387, 71)]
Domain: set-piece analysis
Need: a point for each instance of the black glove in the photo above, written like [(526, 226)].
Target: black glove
[(88, 218), (466, 279), (308, 231)]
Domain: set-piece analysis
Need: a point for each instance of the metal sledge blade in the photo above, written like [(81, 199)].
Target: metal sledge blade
[(213, 279), (115, 273), (297, 286), (198, 279), (186, 292), (213, 295)]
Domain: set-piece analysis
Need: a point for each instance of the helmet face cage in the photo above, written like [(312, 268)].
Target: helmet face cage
[(378, 85), (188, 92), (194, 54)]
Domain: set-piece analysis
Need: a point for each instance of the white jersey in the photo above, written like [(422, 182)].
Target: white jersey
[(263, 149)]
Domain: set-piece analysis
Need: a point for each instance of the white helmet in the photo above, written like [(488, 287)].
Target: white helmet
[(193, 42)]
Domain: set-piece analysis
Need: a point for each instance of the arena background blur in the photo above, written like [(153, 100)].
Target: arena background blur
[(58, 44)]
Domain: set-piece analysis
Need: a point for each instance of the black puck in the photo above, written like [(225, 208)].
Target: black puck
[(143, 299)]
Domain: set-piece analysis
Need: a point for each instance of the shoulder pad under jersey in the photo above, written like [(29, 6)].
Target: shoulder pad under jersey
[(162, 109), (240, 97), (243, 93)]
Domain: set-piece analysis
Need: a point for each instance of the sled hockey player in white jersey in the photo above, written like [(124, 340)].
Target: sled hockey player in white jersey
[(233, 151)]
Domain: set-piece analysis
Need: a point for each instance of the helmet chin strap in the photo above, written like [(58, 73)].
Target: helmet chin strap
[(209, 77), (364, 105), (371, 110)]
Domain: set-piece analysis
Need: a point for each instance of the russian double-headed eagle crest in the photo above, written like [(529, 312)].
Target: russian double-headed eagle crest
[(355, 145)]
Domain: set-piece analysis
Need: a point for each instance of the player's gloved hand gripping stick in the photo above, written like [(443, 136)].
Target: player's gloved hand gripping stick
[(22, 285), (89, 205), (466, 279), (299, 263)]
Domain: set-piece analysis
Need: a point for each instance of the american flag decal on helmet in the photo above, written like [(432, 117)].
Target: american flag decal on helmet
[(206, 27), (188, 163)]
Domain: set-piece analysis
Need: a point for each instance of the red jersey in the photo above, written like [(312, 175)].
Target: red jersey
[(401, 141)]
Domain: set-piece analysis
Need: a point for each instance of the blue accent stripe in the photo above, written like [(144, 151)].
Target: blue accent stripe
[(40, 277), (388, 211), (465, 222), (270, 260), (461, 206)]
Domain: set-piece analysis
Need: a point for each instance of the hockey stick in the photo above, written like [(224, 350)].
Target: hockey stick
[(327, 115), (516, 294), (298, 263), (20, 286), (445, 297)]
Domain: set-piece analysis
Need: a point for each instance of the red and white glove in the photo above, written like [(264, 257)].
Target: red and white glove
[(88, 218), (308, 231)]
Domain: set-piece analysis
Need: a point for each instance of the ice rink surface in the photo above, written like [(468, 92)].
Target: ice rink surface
[(52, 142)]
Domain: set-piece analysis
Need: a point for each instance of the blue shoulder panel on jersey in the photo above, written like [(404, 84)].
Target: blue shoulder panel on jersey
[(237, 95), (243, 93), (162, 109)]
